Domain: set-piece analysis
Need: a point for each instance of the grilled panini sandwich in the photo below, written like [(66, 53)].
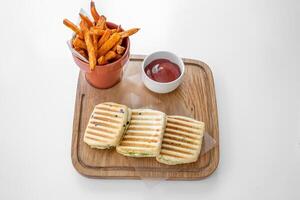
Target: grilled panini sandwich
[(106, 125), (182, 141), (144, 135)]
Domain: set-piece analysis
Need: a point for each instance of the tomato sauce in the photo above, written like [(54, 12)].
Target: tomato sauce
[(162, 70)]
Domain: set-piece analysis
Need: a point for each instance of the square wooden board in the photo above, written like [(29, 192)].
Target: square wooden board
[(194, 98)]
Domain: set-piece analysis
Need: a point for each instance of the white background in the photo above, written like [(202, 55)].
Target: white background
[(252, 48)]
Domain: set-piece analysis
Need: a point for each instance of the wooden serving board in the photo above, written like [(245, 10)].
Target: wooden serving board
[(194, 98)]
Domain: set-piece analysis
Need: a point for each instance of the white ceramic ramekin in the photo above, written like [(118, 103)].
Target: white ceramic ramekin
[(159, 87)]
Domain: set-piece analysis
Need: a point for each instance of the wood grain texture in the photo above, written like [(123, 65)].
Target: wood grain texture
[(194, 98)]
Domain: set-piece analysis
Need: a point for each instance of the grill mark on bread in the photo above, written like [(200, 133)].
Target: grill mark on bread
[(176, 143), (179, 148), (103, 123), (110, 109), (149, 136), (183, 140), (141, 134), (156, 129), (171, 148), (182, 128), (103, 118), (144, 123), (136, 144), (116, 115), (184, 119), (101, 129), (147, 140), (99, 134), (182, 134), (185, 124), (136, 151)]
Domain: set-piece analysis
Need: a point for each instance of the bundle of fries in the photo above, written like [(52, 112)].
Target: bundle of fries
[(95, 41)]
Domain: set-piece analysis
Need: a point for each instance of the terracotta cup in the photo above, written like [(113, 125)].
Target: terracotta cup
[(105, 76)]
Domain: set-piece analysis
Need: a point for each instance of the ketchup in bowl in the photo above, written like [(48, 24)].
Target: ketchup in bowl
[(162, 70)]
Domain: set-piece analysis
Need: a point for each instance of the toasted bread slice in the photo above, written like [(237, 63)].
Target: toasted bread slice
[(144, 135), (106, 125), (182, 141)]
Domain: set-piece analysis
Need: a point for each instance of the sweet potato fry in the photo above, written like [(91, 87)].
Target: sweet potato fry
[(96, 30), (114, 30), (110, 43), (86, 20), (83, 26), (94, 12), (104, 37), (118, 43), (110, 55), (101, 22), (120, 49), (101, 60), (129, 32), (90, 48), (78, 43), (73, 27), (95, 42)]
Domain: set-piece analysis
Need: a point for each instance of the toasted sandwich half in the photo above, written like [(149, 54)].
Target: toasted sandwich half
[(106, 125), (144, 135), (182, 141)]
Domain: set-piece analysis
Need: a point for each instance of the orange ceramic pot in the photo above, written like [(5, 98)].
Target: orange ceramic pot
[(105, 76)]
